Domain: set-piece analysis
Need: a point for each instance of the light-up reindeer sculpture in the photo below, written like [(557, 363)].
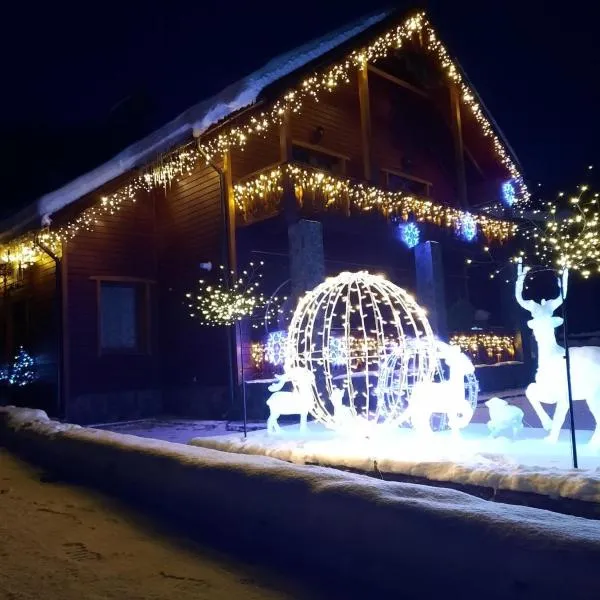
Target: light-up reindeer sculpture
[(550, 386), (297, 402)]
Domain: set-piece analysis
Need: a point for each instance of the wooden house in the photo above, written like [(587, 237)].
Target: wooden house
[(328, 150)]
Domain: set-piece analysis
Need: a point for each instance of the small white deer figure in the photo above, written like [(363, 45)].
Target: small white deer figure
[(444, 397), (342, 415), (504, 417), (297, 402)]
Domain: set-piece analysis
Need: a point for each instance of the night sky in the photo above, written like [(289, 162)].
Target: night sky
[(83, 81)]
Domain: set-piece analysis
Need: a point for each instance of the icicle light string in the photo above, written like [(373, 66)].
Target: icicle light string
[(364, 197), (494, 346), (313, 87), (182, 162)]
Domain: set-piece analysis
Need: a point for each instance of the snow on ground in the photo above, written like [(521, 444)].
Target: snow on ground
[(405, 537), (527, 464), (177, 430), (63, 542)]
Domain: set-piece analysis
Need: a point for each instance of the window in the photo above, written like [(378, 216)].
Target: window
[(123, 317), (319, 159), (396, 182)]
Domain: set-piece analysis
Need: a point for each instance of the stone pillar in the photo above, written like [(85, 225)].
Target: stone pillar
[(430, 285), (307, 259)]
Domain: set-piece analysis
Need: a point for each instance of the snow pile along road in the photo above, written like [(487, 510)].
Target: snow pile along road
[(411, 539), (527, 466)]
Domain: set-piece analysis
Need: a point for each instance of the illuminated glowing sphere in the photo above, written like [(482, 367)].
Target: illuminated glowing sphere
[(342, 331)]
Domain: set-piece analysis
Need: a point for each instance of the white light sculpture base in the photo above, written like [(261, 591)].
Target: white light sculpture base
[(341, 332), (550, 385)]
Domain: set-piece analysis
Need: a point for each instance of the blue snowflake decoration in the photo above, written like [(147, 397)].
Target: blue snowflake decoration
[(467, 227), (275, 349), (409, 234), (508, 193)]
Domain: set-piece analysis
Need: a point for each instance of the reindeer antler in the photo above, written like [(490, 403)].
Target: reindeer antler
[(528, 305)]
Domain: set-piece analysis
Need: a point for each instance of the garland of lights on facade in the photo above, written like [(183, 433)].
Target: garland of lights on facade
[(272, 350), (25, 251), (495, 346), (267, 186)]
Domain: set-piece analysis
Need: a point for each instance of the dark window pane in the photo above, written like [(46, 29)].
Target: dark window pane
[(316, 159), (119, 322), (397, 183)]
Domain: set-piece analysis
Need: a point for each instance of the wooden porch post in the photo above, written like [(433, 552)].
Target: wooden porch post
[(365, 120), (459, 151)]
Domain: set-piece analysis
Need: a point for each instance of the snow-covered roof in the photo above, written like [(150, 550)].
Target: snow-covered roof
[(194, 121)]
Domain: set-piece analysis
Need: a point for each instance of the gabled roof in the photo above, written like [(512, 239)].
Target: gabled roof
[(240, 95), (194, 121)]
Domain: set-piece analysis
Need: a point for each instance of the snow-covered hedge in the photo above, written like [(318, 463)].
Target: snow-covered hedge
[(403, 537)]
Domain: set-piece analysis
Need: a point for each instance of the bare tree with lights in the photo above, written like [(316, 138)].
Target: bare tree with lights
[(568, 234), (232, 300)]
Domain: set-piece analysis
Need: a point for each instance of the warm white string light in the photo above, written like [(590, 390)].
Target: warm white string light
[(260, 194), (233, 298), (182, 162), (567, 234)]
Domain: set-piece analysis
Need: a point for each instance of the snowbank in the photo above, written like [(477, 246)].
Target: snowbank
[(404, 538), (526, 465)]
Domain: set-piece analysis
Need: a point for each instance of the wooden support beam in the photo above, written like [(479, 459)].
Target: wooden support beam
[(365, 120), (398, 81), (230, 212), (285, 139), (421, 93), (459, 152)]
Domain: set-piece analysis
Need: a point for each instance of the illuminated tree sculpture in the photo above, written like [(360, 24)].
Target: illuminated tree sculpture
[(567, 234), (367, 316), (233, 298)]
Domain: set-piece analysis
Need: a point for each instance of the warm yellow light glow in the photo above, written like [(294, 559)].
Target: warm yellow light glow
[(184, 161), (498, 347), (571, 237), (267, 188)]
